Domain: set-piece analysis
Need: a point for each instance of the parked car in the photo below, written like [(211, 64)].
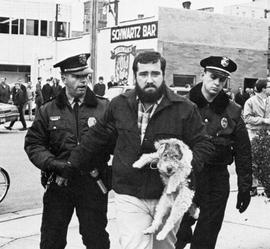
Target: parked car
[(181, 90), (8, 113)]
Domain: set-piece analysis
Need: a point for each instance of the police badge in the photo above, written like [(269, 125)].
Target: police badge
[(91, 121), (225, 61), (224, 123), (82, 59)]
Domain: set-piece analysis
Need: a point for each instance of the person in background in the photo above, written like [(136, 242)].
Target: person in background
[(228, 133), (30, 99), (257, 115), (56, 88), (58, 127), (135, 120), (241, 97), (4, 91), (112, 82), (47, 91), (19, 98), (38, 94), (99, 88)]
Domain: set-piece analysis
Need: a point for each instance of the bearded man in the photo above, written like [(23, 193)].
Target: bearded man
[(135, 120)]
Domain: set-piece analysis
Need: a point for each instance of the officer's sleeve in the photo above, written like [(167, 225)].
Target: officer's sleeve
[(99, 137), (197, 139), (36, 144), (243, 158)]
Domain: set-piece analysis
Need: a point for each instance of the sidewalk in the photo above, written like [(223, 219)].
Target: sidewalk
[(250, 230)]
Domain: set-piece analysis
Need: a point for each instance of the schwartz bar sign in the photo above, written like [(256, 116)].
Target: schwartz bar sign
[(134, 32)]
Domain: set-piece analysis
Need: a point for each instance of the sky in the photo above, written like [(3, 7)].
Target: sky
[(129, 9)]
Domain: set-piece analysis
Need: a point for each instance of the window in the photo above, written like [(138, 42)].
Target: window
[(21, 26), (50, 31), (4, 25), (61, 29), (31, 27), (183, 80), (15, 27), (43, 28)]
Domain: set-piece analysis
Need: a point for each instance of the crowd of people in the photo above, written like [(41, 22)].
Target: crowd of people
[(75, 130), (27, 97)]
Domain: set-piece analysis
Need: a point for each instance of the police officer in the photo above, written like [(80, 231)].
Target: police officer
[(56, 130), (228, 133)]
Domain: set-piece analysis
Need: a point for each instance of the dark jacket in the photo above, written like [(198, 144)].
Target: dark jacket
[(4, 93), (228, 133), (19, 98), (38, 98), (241, 99), (99, 89), (47, 92), (175, 117), (53, 134)]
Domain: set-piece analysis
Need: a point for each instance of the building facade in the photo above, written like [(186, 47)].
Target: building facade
[(185, 37), (27, 34)]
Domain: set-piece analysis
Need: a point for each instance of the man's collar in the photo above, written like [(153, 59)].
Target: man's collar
[(89, 100), (218, 105), (71, 99)]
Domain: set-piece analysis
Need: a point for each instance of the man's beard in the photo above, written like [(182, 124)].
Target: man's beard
[(152, 96)]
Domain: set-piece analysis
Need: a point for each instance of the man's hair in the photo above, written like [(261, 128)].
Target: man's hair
[(149, 57), (260, 84), (100, 78)]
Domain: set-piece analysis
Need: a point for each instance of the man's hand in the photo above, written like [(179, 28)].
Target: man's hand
[(243, 200), (62, 168)]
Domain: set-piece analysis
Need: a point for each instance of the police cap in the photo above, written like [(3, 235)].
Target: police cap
[(221, 66), (76, 65)]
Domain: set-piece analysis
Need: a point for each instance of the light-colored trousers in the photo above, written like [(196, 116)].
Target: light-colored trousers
[(133, 216)]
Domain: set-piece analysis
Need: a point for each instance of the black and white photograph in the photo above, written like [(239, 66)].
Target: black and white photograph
[(135, 124)]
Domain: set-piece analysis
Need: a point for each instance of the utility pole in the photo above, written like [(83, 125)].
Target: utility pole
[(93, 36), (56, 21), (116, 11)]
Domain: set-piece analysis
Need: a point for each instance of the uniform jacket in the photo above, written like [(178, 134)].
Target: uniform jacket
[(255, 110), (53, 134), (227, 132), (174, 117)]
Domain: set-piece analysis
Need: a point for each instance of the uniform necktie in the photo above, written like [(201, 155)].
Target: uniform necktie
[(76, 112)]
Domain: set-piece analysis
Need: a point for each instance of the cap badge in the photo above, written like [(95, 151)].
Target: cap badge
[(224, 123), (91, 121), (225, 61), (82, 59)]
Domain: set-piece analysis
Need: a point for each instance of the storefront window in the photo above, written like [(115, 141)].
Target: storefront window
[(21, 26), (31, 27), (61, 28), (43, 28), (4, 25), (50, 28)]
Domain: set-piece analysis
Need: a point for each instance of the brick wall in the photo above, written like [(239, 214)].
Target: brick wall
[(186, 36)]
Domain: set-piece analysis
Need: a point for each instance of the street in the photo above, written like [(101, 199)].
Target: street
[(25, 189)]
